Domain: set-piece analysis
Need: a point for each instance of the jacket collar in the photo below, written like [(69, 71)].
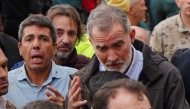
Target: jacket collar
[(88, 71), (150, 71)]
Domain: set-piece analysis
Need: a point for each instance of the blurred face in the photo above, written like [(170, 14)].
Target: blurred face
[(184, 5), (141, 34), (37, 48), (113, 48), (66, 35), (3, 74), (140, 11), (126, 100)]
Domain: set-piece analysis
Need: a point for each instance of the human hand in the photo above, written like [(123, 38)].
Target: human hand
[(58, 98), (74, 96)]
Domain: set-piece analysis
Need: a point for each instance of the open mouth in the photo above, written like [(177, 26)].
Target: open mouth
[(37, 58)]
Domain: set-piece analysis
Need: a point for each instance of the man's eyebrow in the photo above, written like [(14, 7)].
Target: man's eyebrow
[(100, 46), (29, 35), (118, 41), (60, 29), (43, 35)]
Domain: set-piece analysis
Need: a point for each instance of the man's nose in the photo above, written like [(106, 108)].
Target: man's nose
[(65, 38), (112, 56), (36, 44), (145, 8), (3, 72)]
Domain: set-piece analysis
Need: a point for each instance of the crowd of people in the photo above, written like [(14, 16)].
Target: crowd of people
[(125, 56)]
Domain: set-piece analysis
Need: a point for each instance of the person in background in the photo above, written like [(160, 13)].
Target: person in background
[(121, 94), (89, 5), (181, 60), (42, 104), (101, 78), (159, 10), (173, 33), (11, 50), (142, 34), (4, 103), (69, 28)]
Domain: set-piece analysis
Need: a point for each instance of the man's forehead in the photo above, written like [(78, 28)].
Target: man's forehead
[(33, 30), (107, 40)]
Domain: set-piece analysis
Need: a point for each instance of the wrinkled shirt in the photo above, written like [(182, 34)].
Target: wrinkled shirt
[(169, 36), (22, 91)]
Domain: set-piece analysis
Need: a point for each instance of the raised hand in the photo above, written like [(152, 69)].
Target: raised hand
[(57, 98), (74, 97)]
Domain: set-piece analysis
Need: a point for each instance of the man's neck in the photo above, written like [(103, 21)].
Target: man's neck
[(38, 77), (186, 20), (130, 61), (132, 21), (59, 61)]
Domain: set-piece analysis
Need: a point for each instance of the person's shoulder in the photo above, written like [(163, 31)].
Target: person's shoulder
[(83, 58), (10, 105), (162, 62), (15, 71), (167, 22), (167, 67), (66, 69)]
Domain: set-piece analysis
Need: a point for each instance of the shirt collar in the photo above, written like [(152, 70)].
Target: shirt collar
[(135, 67), (22, 72), (181, 24)]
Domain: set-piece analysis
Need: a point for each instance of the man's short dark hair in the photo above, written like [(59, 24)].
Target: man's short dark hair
[(42, 104), (101, 97), (102, 77), (38, 20)]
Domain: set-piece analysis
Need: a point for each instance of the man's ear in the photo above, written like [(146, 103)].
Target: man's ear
[(177, 2), (132, 35), (130, 11), (55, 48), (20, 48)]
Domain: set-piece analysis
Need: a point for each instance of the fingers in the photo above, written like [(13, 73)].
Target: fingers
[(80, 103), (74, 96), (55, 91), (58, 98), (48, 94), (75, 79), (77, 96), (74, 88)]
